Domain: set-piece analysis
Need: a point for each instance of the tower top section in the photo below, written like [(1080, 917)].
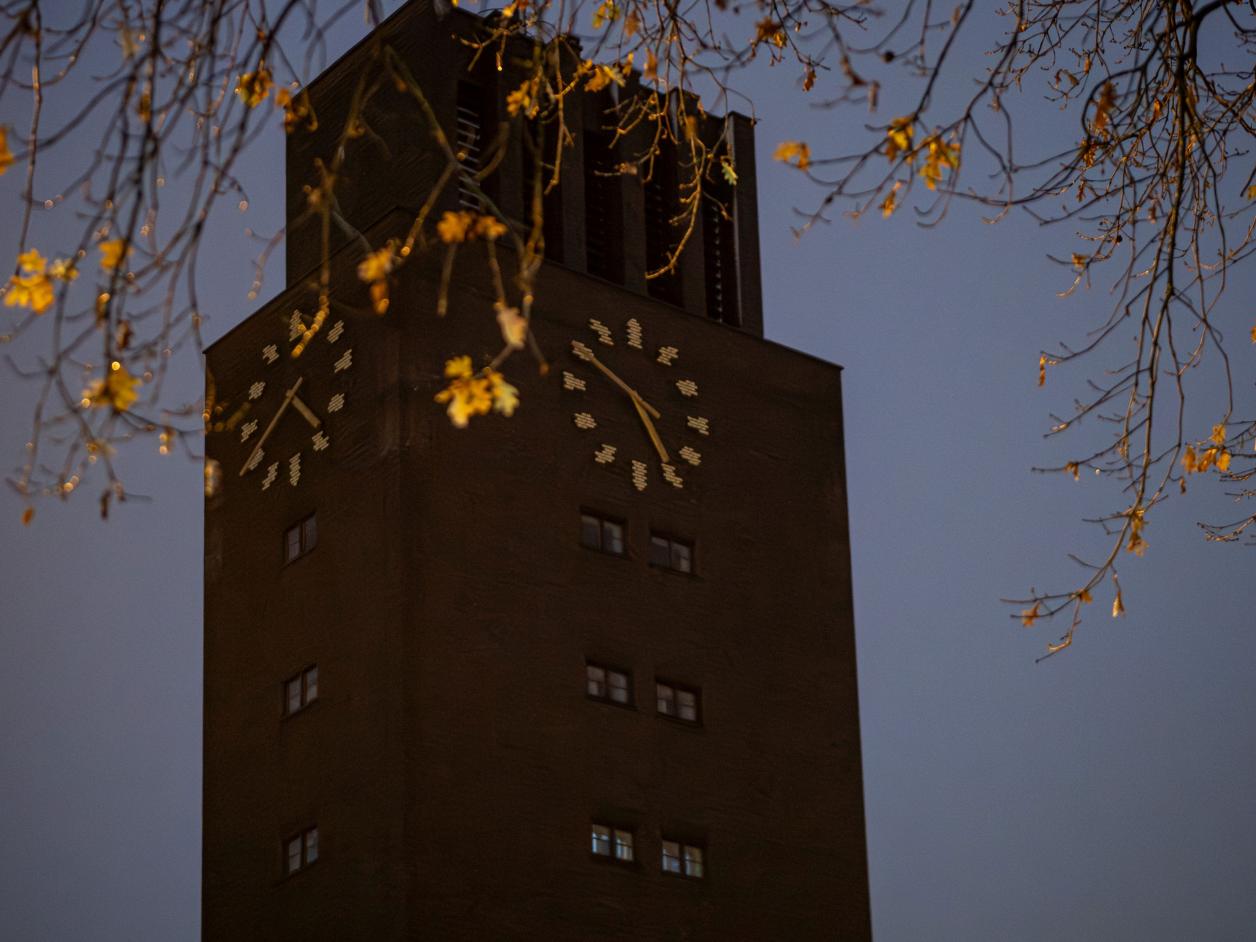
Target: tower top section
[(617, 179)]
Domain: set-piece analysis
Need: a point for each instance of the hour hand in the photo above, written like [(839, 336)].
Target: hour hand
[(306, 412)]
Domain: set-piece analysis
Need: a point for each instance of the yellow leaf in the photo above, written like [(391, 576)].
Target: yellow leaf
[(118, 389), (1137, 545), (728, 170), (1223, 460), (1030, 615), (455, 226), (890, 203), (1042, 369), (607, 12), (27, 516), (1254, 335), (458, 368), (1218, 433), (379, 296), (794, 153), (30, 291), (1190, 462), (63, 270), (6, 156), (31, 262), (376, 265), (1085, 597), (769, 30), (651, 71), (1074, 469), (112, 252), (1250, 192), (898, 136), (1118, 606), (505, 396), (489, 227), (514, 327), (254, 87), (1103, 108)]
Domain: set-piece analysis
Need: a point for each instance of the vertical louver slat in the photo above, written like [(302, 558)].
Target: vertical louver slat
[(469, 138)]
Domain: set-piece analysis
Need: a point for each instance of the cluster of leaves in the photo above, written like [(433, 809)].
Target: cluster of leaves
[(1147, 182)]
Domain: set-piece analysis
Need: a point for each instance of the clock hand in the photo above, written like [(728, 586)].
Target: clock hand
[(271, 427), (584, 353), (306, 412), (650, 429)]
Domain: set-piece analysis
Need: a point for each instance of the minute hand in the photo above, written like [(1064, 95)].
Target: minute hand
[(636, 398)]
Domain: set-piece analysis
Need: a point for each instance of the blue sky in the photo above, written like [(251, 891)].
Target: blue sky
[(1103, 794)]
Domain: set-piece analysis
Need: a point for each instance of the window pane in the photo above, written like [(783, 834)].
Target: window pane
[(590, 531), (666, 699), (292, 695), (687, 705), (693, 861), (311, 684), (612, 538), (292, 544), (671, 857), (309, 533), (618, 686), (680, 557), (660, 551), (595, 681), (623, 845), (601, 840), (294, 855), (311, 845)]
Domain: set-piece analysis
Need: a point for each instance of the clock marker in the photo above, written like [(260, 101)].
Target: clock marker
[(270, 353), (667, 355), (247, 429), (294, 469), (634, 333), (693, 457), (584, 421), (254, 460), (256, 390), (572, 381), (336, 402), (605, 454), (687, 387), (271, 473), (345, 361), (337, 329), (638, 475), (699, 424), (671, 477), (603, 332), (320, 441)]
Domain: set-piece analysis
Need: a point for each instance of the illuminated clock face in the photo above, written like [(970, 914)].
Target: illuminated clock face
[(287, 413), (655, 396)]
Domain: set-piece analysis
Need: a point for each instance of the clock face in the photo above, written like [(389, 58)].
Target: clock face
[(656, 398), (287, 413)]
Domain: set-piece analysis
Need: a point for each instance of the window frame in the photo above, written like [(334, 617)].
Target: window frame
[(304, 698), (614, 833), (685, 865), (306, 532), (605, 697), (676, 688), (603, 522), (672, 543), (305, 839)]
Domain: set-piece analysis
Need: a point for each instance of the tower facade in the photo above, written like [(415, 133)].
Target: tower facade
[(583, 672)]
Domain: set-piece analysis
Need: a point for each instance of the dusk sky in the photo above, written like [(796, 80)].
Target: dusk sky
[(1108, 793)]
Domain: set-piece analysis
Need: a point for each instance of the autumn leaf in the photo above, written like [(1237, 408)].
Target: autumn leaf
[(1103, 109), (505, 396), (6, 156), (31, 287), (376, 265), (118, 390), (1190, 461), (601, 76), (455, 226), (890, 203), (769, 30), (1074, 469), (1030, 615), (730, 172), (1118, 606), (1042, 369), (1085, 597), (795, 153), (1218, 433), (254, 87), (513, 326), (1223, 460), (489, 227), (898, 137), (524, 99), (296, 108), (27, 516), (63, 269), (938, 155), (607, 12), (112, 252)]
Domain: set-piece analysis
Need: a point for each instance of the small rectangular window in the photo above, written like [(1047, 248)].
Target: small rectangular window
[(613, 843), (670, 553), (602, 534), (605, 683), (681, 703), (684, 860), (300, 691), (300, 850), (300, 538)]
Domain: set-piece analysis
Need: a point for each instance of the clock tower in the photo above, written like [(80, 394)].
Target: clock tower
[(584, 672)]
